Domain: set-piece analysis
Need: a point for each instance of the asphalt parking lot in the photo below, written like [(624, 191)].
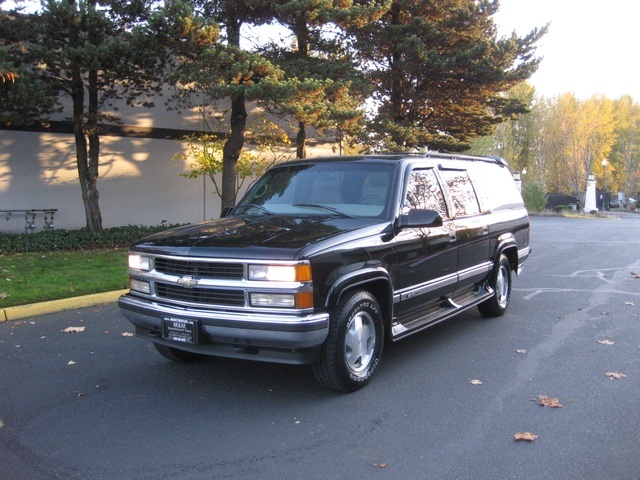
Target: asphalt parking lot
[(98, 403)]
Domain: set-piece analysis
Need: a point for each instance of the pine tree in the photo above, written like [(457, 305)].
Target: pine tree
[(326, 88), (96, 53), (439, 71)]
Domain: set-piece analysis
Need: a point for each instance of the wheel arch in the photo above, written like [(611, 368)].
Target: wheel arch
[(376, 281), (508, 247)]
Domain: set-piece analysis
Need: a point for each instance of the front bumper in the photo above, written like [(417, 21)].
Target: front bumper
[(275, 338)]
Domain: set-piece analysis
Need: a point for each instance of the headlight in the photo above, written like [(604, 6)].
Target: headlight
[(280, 273), (139, 262)]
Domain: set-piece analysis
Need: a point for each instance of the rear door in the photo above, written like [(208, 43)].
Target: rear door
[(471, 227)]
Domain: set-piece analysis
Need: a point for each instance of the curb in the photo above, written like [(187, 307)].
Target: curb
[(54, 306)]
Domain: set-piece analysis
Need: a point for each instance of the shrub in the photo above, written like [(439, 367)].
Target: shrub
[(50, 240), (534, 196)]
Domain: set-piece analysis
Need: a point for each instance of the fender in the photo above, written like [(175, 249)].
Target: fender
[(507, 241), (361, 277)]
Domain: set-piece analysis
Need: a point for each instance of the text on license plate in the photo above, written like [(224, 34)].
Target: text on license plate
[(179, 330)]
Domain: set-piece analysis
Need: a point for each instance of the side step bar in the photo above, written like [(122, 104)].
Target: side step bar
[(447, 309)]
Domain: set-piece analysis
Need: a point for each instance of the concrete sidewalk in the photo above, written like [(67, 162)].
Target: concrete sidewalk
[(33, 310)]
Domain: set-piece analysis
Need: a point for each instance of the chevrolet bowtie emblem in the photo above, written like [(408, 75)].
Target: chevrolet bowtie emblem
[(187, 281)]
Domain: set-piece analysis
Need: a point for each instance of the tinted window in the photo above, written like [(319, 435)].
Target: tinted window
[(423, 192), (462, 193)]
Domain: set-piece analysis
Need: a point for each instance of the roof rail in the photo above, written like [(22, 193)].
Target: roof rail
[(473, 158)]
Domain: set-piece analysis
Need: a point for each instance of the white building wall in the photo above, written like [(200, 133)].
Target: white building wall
[(139, 182)]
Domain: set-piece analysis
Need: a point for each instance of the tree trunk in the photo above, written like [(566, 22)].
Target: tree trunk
[(87, 153), (233, 148), (301, 141)]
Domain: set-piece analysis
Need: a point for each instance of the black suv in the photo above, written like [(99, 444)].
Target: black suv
[(323, 260)]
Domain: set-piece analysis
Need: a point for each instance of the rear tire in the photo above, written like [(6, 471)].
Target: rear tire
[(353, 348), (176, 355), (500, 282)]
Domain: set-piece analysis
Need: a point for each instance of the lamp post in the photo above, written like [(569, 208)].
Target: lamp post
[(604, 184), (516, 178)]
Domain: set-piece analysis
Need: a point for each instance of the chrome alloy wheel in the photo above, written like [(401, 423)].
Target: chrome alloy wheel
[(502, 286), (360, 342)]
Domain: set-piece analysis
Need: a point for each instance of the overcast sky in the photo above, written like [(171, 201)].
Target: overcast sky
[(591, 48)]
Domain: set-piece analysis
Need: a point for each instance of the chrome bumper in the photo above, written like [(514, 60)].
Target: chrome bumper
[(278, 338)]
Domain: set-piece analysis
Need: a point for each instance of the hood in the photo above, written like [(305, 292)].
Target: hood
[(250, 236)]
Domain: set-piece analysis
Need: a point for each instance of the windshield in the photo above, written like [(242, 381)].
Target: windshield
[(349, 189)]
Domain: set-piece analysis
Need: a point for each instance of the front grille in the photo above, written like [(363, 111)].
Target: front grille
[(234, 298), (198, 269)]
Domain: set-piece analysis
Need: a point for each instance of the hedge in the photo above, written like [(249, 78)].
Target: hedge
[(50, 240)]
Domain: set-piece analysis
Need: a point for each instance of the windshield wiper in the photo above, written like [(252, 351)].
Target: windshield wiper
[(260, 208), (325, 207)]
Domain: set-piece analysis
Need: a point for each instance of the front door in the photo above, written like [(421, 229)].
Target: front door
[(425, 271)]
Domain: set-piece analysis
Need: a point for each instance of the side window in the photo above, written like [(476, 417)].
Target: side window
[(423, 192), (463, 196)]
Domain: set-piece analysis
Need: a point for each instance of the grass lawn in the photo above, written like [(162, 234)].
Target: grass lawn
[(37, 277)]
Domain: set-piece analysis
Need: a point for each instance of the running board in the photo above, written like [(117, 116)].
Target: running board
[(447, 309)]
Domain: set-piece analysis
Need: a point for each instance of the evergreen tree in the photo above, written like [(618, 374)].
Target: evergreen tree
[(227, 71), (96, 53), (439, 71), (326, 88)]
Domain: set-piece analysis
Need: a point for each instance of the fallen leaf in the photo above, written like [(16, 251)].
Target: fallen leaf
[(550, 402), (605, 313), (615, 376), (606, 342), (3, 295), (476, 382), (631, 304), (127, 334), (526, 436), (522, 350), (380, 465), (73, 329), (71, 362)]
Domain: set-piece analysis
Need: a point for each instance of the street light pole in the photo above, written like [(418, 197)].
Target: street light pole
[(604, 184)]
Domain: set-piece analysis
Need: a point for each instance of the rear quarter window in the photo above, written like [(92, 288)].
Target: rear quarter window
[(495, 188)]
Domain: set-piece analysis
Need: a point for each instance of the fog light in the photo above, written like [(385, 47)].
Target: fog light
[(140, 286), (275, 300)]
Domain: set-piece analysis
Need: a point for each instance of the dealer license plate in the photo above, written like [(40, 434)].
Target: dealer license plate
[(179, 330)]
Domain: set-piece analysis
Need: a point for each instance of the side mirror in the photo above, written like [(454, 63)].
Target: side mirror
[(420, 219)]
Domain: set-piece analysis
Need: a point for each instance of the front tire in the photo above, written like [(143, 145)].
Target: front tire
[(500, 282), (176, 355), (353, 348)]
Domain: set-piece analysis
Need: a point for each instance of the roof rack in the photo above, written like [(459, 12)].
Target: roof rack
[(472, 158)]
